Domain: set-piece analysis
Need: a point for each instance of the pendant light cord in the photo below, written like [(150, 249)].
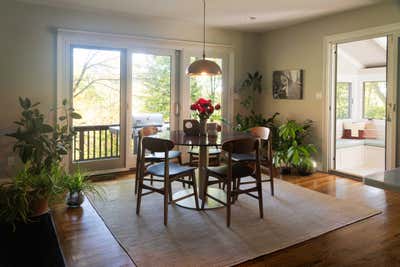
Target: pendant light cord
[(204, 29)]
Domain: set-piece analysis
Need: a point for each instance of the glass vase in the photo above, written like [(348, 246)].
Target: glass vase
[(203, 126)]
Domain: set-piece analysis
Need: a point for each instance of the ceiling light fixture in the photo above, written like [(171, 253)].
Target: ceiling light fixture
[(203, 66)]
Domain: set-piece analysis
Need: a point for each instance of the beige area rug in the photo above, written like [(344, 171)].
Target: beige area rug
[(201, 238)]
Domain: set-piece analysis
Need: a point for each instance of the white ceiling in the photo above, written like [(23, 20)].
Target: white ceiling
[(368, 53), (231, 14)]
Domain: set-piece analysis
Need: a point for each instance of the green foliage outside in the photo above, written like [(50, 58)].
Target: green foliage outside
[(151, 84), (375, 100), (343, 100), (209, 87)]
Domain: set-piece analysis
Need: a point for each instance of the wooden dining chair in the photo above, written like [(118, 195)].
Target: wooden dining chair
[(265, 136), (231, 173), (165, 172), (214, 154), (152, 158)]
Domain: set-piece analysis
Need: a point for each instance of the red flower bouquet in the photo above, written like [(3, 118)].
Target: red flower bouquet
[(204, 108)]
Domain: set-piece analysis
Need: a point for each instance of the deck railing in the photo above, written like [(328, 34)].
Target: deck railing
[(96, 142)]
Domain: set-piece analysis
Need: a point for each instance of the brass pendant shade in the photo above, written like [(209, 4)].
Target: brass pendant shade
[(203, 66)]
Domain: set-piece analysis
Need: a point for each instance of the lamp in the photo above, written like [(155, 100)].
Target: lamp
[(203, 66)]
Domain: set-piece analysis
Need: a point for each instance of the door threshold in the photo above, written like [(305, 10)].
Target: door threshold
[(346, 175)]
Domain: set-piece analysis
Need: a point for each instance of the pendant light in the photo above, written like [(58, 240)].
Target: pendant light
[(203, 66)]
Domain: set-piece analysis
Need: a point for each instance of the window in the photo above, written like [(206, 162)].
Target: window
[(374, 100), (209, 87), (343, 100), (96, 94)]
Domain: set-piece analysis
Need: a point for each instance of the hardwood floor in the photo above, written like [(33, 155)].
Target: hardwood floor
[(86, 241)]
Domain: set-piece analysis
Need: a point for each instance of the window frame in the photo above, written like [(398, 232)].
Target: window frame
[(349, 99), (363, 100)]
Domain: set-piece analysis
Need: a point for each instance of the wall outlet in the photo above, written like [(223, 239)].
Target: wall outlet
[(11, 161)]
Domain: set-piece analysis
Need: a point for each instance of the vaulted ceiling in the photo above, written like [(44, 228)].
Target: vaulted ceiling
[(368, 53), (245, 15)]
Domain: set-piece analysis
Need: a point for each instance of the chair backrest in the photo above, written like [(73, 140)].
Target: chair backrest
[(261, 132), (243, 145), (156, 144)]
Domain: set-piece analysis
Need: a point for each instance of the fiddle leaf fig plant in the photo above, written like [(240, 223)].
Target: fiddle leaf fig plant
[(37, 141)]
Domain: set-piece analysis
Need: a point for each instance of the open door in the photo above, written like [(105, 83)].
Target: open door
[(362, 101)]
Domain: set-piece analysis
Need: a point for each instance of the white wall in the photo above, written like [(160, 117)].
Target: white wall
[(28, 50), (301, 47)]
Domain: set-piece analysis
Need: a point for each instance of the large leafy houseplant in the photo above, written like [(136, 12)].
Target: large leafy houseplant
[(41, 148), (291, 149)]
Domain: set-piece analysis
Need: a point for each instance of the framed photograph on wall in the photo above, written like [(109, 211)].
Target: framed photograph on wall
[(287, 84)]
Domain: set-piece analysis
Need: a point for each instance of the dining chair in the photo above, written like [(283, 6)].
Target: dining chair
[(214, 154), (152, 157), (231, 173), (265, 136), (166, 173)]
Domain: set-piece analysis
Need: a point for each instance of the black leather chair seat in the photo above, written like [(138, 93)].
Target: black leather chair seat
[(238, 170), (174, 169)]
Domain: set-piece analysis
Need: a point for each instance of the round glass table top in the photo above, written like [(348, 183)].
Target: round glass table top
[(182, 139)]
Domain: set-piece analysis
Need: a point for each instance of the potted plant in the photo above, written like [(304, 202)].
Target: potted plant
[(291, 150), (77, 185), (41, 148)]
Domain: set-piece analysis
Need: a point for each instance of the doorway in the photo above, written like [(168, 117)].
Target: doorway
[(360, 105)]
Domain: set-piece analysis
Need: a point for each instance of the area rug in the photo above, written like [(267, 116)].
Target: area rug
[(201, 238)]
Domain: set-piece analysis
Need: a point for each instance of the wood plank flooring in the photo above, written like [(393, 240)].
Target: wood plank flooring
[(86, 241)]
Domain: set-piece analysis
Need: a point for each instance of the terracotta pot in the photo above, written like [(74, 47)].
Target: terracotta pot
[(39, 207), (276, 172)]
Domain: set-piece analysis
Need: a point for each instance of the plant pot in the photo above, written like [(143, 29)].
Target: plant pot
[(285, 170), (39, 206), (74, 199), (275, 172), (304, 172)]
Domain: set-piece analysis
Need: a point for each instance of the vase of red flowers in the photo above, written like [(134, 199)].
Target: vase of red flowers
[(204, 108)]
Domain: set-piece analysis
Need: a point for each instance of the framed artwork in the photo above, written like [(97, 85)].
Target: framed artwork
[(287, 84)]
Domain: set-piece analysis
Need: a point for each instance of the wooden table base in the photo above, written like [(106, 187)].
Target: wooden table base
[(210, 203)]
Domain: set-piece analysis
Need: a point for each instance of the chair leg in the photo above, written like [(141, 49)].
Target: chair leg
[(272, 186), (237, 188), (196, 195), (151, 179), (190, 179), (228, 203), (136, 183), (166, 193), (139, 194), (170, 192), (272, 180), (190, 160), (260, 199)]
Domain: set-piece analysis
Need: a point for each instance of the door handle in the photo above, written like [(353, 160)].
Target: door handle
[(176, 109)]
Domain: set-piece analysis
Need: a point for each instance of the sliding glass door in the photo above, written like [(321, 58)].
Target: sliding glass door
[(97, 90), (153, 94)]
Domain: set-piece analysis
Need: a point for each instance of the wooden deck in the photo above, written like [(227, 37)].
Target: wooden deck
[(86, 241)]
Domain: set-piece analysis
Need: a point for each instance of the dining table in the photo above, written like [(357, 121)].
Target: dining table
[(180, 138)]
